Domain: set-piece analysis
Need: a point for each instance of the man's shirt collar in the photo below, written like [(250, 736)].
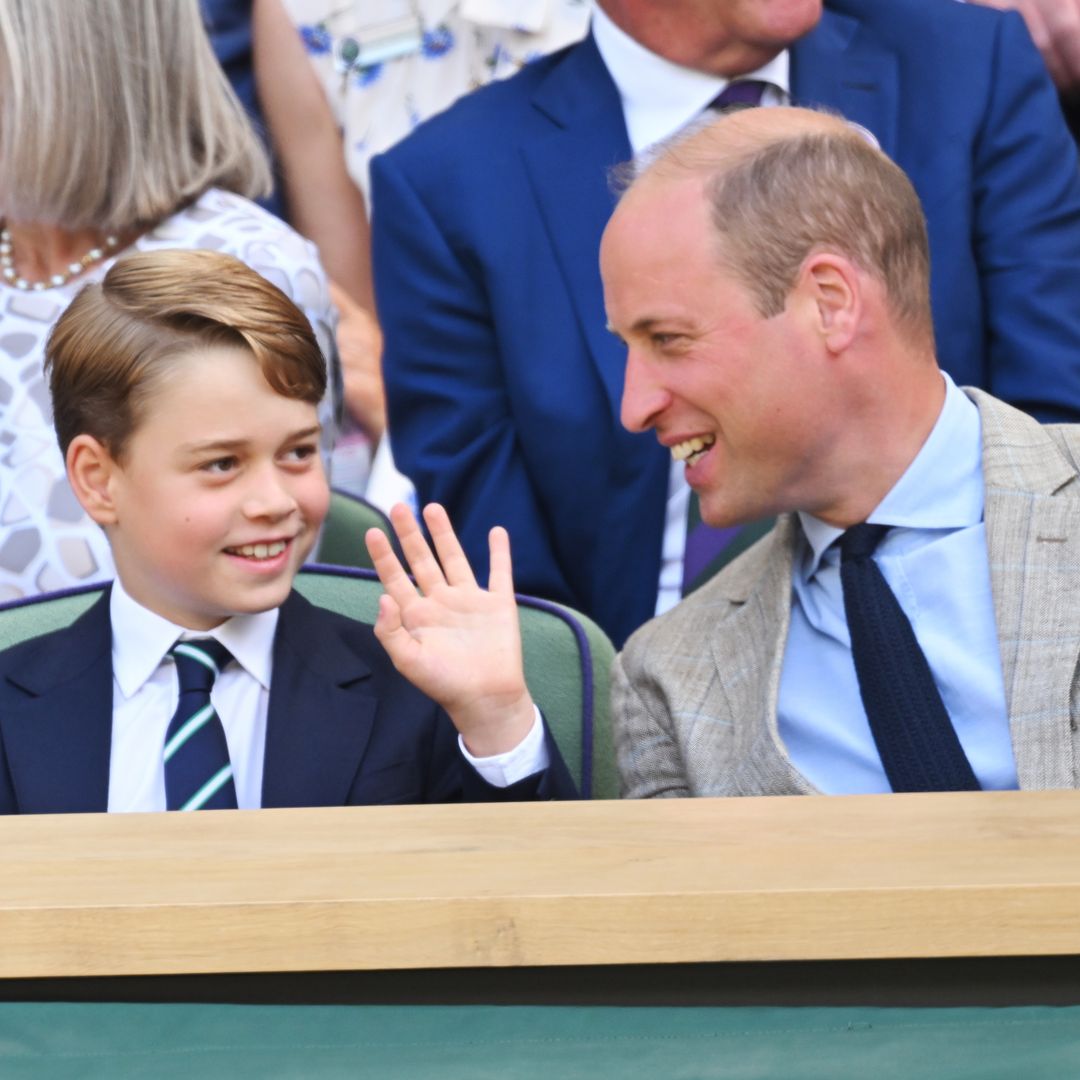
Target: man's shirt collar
[(941, 489), (659, 97)]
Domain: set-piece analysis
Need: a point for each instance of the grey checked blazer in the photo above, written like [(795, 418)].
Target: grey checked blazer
[(695, 690)]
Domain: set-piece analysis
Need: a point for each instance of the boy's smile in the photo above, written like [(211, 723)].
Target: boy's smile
[(219, 493)]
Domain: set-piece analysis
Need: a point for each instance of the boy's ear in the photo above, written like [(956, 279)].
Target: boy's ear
[(90, 469)]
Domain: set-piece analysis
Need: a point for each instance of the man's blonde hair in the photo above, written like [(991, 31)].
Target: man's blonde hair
[(112, 347)]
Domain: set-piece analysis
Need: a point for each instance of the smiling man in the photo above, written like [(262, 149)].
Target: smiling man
[(502, 386), (907, 624)]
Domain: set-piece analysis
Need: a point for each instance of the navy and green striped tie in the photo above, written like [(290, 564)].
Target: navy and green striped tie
[(198, 773)]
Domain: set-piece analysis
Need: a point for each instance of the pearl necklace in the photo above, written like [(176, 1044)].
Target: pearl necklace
[(7, 266)]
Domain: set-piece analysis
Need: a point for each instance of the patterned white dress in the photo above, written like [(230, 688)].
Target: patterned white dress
[(46, 541), (462, 44)]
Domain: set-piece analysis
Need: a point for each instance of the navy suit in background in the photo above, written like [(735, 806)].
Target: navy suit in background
[(343, 727), (503, 383)]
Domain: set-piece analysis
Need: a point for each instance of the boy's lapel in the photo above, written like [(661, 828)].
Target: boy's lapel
[(57, 719), (320, 715)]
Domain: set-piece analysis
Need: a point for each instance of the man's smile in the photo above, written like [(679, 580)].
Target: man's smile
[(693, 449)]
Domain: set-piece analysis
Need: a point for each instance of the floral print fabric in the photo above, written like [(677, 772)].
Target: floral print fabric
[(458, 46)]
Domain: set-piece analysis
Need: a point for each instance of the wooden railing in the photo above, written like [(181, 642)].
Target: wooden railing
[(676, 881)]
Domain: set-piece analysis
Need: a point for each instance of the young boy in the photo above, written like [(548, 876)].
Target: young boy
[(184, 395)]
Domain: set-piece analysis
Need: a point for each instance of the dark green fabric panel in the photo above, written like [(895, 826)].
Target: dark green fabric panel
[(54, 1041)]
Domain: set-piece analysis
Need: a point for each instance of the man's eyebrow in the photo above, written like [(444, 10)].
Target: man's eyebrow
[(642, 325)]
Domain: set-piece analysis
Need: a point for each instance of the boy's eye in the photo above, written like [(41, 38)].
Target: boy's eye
[(301, 452), (219, 465)]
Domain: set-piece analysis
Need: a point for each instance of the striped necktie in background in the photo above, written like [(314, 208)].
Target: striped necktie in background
[(709, 549), (743, 94), (198, 773)]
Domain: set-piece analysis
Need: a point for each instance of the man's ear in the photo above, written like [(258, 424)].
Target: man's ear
[(91, 470), (831, 288)]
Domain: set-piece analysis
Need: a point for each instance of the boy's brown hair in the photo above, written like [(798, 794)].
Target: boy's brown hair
[(110, 350)]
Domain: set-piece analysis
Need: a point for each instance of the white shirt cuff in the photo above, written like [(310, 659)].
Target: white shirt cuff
[(528, 757)]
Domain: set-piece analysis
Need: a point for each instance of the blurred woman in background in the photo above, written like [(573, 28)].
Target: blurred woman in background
[(118, 130)]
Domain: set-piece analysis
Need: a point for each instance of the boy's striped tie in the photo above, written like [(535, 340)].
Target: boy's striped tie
[(198, 774)]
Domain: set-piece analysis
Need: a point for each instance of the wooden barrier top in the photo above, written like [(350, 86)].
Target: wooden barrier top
[(984, 874)]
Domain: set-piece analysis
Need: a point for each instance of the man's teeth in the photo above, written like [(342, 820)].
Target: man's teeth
[(692, 449), (261, 551)]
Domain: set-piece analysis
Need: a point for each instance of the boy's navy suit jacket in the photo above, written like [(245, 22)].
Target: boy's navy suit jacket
[(343, 727)]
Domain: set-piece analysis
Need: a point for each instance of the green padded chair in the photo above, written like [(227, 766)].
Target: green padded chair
[(567, 659), (342, 539)]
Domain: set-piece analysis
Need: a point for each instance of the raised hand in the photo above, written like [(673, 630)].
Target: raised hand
[(457, 642)]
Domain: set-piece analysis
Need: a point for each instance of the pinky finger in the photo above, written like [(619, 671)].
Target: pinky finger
[(501, 578)]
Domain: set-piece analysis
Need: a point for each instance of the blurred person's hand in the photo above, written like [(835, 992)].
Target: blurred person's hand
[(359, 341), (1055, 28)]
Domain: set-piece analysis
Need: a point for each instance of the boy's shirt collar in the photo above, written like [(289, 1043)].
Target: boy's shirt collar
[(141, 639)]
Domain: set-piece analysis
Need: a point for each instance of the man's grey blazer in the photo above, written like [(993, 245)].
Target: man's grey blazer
[(695, 690)]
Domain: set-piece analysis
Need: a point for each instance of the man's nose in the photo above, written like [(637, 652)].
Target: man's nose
[(643, 398)]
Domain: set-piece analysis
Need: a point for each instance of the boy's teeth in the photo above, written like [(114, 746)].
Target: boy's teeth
[(261, 551), (691, 447)]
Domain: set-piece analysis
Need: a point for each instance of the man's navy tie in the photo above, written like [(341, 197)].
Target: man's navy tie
[(709, 549), (917, 742), (198, 773)]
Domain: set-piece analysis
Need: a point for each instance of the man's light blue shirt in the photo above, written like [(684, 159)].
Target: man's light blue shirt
[(935, 561)]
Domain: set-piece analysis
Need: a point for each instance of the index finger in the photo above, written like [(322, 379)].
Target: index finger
[(387, 565)]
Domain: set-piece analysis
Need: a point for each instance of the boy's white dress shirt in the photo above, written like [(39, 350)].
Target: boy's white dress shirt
[(145, 694)]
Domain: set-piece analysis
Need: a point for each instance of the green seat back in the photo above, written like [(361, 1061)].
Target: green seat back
[(342, 540), (23, 619)]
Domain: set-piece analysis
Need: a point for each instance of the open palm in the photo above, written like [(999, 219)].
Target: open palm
[(457, 642)]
